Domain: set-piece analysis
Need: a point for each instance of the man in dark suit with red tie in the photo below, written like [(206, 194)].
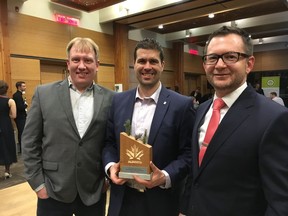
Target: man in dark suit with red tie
[(244, 169)]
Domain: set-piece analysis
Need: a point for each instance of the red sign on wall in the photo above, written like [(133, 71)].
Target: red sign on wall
[(67, 20), (193, 52)]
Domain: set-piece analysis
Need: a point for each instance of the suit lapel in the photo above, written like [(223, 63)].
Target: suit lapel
[(65, 101), (161, 109), (235, 116), (200, 115), (98, 101), (129, 106)]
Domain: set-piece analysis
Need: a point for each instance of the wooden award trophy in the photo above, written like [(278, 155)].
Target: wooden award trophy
[(135, 158)]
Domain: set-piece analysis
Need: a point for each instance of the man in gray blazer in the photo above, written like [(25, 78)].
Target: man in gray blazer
[(64, 137)]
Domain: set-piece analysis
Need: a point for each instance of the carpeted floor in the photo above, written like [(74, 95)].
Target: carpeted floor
[(17, 170)]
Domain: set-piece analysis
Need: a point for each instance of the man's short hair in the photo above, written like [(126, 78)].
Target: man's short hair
[(19, 84)]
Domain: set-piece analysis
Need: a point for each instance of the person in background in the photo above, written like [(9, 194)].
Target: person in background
[(259, 89), (207, 96), (196, 94), (21, 105), (168, 119), (7, 139), (176, 89), (274, 97), (64, 136), (242, 168)]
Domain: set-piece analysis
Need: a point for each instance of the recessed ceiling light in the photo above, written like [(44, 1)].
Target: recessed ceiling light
[(211, 15), (160, 26)]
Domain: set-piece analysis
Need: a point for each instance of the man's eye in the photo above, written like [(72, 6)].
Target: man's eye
[(231, 57), (75, 60), (212, 58), (153, 61), (88, 61), (141, 61)]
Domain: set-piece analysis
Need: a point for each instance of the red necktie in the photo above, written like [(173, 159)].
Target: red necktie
[(212, 126)]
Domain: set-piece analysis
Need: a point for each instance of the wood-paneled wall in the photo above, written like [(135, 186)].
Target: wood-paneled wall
[(27, 70), (31, 36), (271, 60), (34, 41)]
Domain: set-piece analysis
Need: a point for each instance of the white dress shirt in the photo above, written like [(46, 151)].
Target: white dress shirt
[(229, 100), (82, 106)]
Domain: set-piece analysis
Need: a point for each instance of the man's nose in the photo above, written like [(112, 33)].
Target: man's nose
[(81, 64), (147, 65)]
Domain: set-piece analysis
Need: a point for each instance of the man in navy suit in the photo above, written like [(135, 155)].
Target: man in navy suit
[(244, 171), (168, 118)]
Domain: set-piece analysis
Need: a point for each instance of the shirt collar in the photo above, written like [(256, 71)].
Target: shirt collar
[(154, 96), (232, 97), (73, 87)]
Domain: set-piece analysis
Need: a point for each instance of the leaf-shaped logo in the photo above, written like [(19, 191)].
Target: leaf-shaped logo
[(134, 153)]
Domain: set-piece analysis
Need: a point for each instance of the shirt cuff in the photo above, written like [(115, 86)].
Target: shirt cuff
[(168, 181), (107, 168), (39, 187)]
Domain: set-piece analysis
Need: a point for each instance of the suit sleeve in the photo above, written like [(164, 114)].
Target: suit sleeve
[(273, 162), (32, 144), (110, 152), (179, 168)]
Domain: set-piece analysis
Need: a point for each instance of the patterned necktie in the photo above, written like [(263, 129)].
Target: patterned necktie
[(212, 126)]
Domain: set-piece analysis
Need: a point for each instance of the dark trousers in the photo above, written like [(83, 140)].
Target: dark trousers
[(20, 124), (51, 207), (155, 202), (134, 203)]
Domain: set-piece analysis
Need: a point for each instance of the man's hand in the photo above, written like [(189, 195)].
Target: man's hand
[(158, 178), (114, 170), (42, 194)]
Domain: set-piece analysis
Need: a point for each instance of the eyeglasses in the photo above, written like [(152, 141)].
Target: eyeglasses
[(227, 58)]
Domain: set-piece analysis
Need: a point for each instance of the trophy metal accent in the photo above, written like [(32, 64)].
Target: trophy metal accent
[(135, 156)]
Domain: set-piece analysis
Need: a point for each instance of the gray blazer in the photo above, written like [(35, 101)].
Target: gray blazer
[(53, 151)]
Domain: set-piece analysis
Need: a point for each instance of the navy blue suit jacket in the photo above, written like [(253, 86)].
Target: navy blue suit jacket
[(244, 171), (170, 137)]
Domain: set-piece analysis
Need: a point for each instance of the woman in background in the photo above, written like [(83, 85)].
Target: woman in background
[(7, 139)]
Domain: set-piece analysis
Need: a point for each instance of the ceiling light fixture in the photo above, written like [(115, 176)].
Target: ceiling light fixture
[(211, 15), (261, 41), (160, 26)]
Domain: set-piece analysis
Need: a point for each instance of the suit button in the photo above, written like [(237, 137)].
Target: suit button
[(79, 164), (81, 143)]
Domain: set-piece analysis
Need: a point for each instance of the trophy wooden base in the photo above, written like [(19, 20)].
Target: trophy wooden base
[(127, 175), (135, 158)]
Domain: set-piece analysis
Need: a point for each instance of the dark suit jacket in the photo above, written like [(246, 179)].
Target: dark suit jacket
[(245, 169), (53, 150), (170, 136), (20, 105)]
